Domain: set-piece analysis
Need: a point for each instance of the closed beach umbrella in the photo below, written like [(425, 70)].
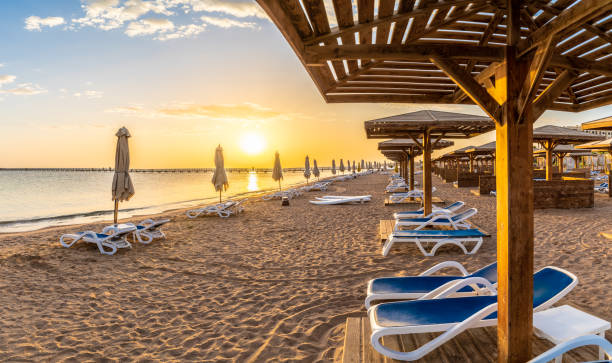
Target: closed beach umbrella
[(333, 166), (123, 189), (362, 164), (307, 169), (342, 166), (277, 171), (354, 166), (219, 178), (315, 169)]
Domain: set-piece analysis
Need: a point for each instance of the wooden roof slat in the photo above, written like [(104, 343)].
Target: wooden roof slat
[(344, 16), (385, 11)]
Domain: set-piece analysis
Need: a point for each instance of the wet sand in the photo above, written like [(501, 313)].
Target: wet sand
[(273, 284)]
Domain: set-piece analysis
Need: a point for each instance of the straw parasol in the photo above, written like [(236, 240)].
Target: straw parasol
[(307, 169), (342, 166), (315, 169), (219, 178), (122, 189), (333, 170), (277, 171)]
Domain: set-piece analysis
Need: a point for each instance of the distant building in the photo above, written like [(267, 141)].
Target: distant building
[(606, 134)]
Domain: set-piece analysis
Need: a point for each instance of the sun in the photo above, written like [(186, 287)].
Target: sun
[(252, 143)]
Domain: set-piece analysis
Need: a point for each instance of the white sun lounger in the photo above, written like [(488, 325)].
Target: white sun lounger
[(223, 210), (450, 209), (400, 197), (557, 351), (108, 244), (453, 316), (440, 237), (438, 218), (341, 200), (426, 284), (146, 231)]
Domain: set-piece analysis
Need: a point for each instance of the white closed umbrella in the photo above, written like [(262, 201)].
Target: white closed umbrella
[(219, 178), (362, 164), (122, 188), (354, 166), (315, 169), (277, 171), (307, 169), (342, 166), (333, 166)]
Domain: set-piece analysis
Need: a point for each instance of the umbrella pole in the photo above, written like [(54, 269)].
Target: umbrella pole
[(219, 196), (279, 185), (116, 211)]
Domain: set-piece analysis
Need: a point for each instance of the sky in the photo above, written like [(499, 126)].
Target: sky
[(183, 76)]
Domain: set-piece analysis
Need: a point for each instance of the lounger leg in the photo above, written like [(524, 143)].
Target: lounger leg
[(103, 251), (387, 246)]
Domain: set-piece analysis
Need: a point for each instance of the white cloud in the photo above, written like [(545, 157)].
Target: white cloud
[(36, 23), (240, 8), (183, 31), (89, 94), (24, 89), (227, 23), (6, 78), (149, 26)]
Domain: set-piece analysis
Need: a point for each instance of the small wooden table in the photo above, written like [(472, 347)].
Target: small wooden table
[(564, 323)]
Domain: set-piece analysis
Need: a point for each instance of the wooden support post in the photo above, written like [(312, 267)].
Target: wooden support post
[(560, 158), (412, 155), (548, 146), (471, 163), (427, 173)]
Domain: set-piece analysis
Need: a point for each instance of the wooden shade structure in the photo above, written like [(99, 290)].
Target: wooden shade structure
[(561, 151), (514, 59), (550, 136), (603, 124), (409, 150), (462, 153), (603, 145), (423, 127), (485, 150)]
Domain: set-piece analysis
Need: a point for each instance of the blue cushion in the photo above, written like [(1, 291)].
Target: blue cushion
[(488, 272), (409, 284), (547, 283), (472, 232)]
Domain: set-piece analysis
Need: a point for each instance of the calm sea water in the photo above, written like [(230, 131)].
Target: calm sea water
[(31, 200)]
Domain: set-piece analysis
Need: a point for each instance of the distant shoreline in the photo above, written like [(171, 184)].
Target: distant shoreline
[(177, 170)]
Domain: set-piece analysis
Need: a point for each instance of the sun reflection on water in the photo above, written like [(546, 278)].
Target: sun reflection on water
[(252, 186)]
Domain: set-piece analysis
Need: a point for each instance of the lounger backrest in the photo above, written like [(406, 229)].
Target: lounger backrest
[(550, 284), (488, 272), (464, 215), (454, 205)]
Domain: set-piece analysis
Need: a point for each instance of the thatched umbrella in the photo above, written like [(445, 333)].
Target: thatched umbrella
[(219, 178), (277, 171), (122, 188), (315, 169), (333, 170)]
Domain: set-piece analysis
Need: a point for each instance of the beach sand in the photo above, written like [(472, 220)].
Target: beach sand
[(273, 284)]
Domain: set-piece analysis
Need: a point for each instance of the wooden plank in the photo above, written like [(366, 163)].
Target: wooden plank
[(344, 16), (352, 341), (368, 353), (385, 228)]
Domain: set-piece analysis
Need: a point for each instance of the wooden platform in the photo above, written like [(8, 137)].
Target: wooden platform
[(473, 345), (607, 234), (413, 201), (476, 192), (386, 227)]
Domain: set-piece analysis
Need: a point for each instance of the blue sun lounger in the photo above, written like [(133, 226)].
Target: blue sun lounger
[(426, 285), (439, 237), (108, 243), (457, 221), (452, 316), (449, 209), (557, 351)]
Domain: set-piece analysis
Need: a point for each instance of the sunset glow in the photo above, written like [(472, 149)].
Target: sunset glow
[(252, 143)]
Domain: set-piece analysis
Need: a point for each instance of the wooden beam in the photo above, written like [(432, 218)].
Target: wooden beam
[(575, 16), (318, 55), (550, 94), (427, 205), (514, 170), (486, 36), (381, 20), (538, 65), (382, 98), (469, 85), (582, 65)]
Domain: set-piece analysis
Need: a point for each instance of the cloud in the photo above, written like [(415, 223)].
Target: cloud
[(149, 26), (6, 78), (112, 14), (89, 94), (227, 23), (36, 23), (239, 9), (183, 31), (24, 89)]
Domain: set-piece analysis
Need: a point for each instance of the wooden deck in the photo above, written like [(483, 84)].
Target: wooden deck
[(413, 201), (474, 345), (607, 234), (386, 227), (476, 192)]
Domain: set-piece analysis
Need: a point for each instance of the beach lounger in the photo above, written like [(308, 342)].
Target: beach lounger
[(146, 231), (452, 316), (108, 243), (400, 197), (557, 351), (450, 209), (424, 285), (438, 218), (360, 199), (440, 237), (223, 210)]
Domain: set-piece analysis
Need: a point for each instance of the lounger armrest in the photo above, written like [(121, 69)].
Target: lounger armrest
[(441, 212), (445, 264), (474, 281), (436, 218), (564, 347)]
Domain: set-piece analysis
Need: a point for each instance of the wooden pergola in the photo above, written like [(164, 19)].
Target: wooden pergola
[(561, 151), (409, 150), (427, 128), (550, 137), (485, 150), (513, 58), (462, 153)]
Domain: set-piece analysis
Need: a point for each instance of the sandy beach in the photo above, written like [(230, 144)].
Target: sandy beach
[(273, 284)]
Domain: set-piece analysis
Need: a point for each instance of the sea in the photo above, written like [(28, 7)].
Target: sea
[(34, 199)]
